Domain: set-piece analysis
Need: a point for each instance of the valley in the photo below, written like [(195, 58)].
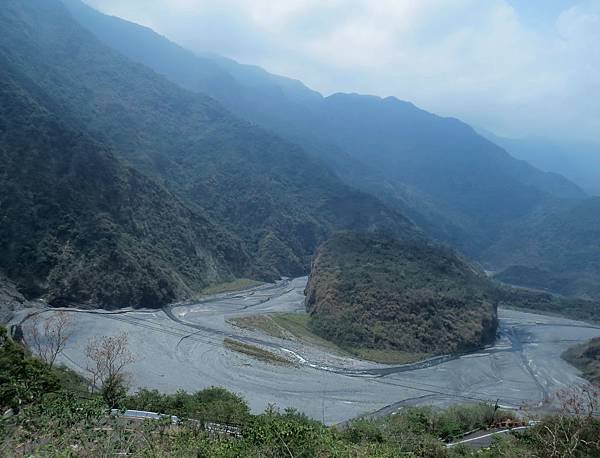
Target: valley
[(186, 234), (181, 347)]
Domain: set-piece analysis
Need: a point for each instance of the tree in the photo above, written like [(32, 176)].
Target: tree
[(108, 357), (49, 336)]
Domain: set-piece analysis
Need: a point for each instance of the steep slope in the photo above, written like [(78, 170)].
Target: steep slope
[(556, 248), (278, 201), (586, 357), (78, 226), (437, 171), (11, 300), (371, 292), (578, 161), (443, 158)]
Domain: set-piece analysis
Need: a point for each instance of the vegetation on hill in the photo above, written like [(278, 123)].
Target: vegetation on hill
[(52, 416), (368, 291), (79, 226), (396, 301), (438, 171), (555, 248), (537, 301), (231, 200), (586, 357), (23, 379)]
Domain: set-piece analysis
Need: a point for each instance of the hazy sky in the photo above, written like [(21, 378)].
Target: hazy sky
[(515, 67)]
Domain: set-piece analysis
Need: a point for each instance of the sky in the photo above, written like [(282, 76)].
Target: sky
[(517, 68)]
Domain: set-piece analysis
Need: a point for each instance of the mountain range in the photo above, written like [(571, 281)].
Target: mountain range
[(456, 185), (138, 172), (579, 161), (172, 190)]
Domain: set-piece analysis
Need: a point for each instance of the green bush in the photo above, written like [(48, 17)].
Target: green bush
[(23, 379), (287, 434), (212, 404)]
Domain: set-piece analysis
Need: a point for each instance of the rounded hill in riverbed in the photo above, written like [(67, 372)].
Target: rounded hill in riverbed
[(374, 295)]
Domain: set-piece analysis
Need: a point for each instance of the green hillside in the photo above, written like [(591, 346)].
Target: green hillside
[(556, 248), (78, 226), (396, 301), (367, 291)]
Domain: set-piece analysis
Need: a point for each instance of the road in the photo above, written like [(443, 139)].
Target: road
[(483, 439), (181, 347)]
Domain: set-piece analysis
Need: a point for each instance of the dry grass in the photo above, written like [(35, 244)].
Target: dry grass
[(290, 326), (294, 326), (256, 352), (236, 285)]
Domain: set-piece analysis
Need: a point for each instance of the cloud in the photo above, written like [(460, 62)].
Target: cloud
[(484, 61)]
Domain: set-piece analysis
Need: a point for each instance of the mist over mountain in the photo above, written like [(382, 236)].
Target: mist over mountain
[(459, 187), (258, 197), (579, 161)]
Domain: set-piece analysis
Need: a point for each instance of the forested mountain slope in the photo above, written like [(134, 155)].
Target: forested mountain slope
[(265, 198), (80, 227), (369, 292), (556, 248)]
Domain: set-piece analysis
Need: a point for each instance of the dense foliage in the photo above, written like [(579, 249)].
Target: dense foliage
[(367, 290), (212, 404), (23, 379), (78, 226)]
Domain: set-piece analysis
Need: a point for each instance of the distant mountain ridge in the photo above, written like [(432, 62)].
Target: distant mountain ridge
[(577, 160), (459, 187), (557, 249)]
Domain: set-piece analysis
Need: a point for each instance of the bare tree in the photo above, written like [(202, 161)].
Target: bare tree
[(108, 357), (573, 431), (49, 336), (580, 401)]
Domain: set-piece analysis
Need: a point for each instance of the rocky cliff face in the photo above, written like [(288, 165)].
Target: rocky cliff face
[(369, 291), (11, 301)]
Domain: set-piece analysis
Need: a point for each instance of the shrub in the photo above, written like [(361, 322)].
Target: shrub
[(23, 379), (212, 404)]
